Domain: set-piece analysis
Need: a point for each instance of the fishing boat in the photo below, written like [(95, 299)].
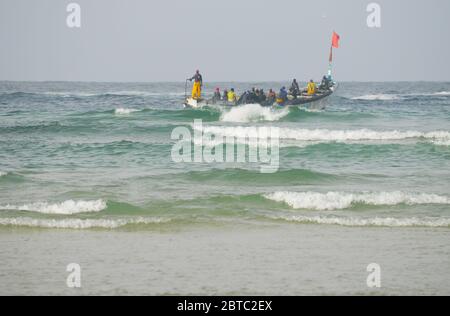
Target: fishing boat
[(315, 101)]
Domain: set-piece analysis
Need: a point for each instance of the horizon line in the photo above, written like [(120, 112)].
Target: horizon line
[(215, 81)]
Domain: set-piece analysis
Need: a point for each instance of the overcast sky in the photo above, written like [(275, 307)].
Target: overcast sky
[(232, 40)]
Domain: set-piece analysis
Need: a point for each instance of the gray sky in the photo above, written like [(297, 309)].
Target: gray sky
[(233, 40)]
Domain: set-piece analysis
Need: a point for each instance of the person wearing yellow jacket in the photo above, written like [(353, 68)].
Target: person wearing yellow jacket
[(231, 96), (311, 87), (197, 87)]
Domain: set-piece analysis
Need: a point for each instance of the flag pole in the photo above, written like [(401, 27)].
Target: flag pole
[(330, 63)]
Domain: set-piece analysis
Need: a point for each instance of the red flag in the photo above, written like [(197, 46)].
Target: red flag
[(335, 40)]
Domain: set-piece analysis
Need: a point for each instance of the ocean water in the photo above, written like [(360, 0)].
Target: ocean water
[(88, 165)]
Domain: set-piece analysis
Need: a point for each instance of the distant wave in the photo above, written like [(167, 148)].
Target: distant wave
[(368, 221), (445, 93), (342, 200), (253, 113), (75, 223), (325, 135), (390, 97), (380, 97), (72, 94), (146, 93), (65, 208), (125, 111)]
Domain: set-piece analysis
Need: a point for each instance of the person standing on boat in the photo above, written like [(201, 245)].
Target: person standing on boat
[(295, 89), (311, 87), (325, 84), (197, 87)]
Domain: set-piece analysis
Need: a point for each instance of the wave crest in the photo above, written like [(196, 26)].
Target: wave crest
[(325, 135), (368, 221), (64, 208), (341, 200), (75, 223)]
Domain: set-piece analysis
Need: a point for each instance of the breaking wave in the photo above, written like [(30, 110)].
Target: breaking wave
[(253, 113), (2, 174), (325, 135), (64, 208), (75, 223), (368, 221), (342, 200)]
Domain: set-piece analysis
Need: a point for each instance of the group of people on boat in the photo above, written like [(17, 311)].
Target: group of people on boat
[(258, 95)]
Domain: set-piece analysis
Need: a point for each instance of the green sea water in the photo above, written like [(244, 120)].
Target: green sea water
[(98, 155)]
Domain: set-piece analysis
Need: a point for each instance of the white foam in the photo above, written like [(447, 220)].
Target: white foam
[(390, 97), (442, 93), (124, 111), (325, 135), (75, 223), (442, 142), (342, 200), (2, 174), (378, 97), (371, 221), (253, 113), (64, 208)]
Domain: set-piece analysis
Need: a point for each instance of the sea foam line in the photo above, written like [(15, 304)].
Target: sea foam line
[(2, 173), (342, 200), (76, 223), (331, 135), (371, 221), (64, 208)]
